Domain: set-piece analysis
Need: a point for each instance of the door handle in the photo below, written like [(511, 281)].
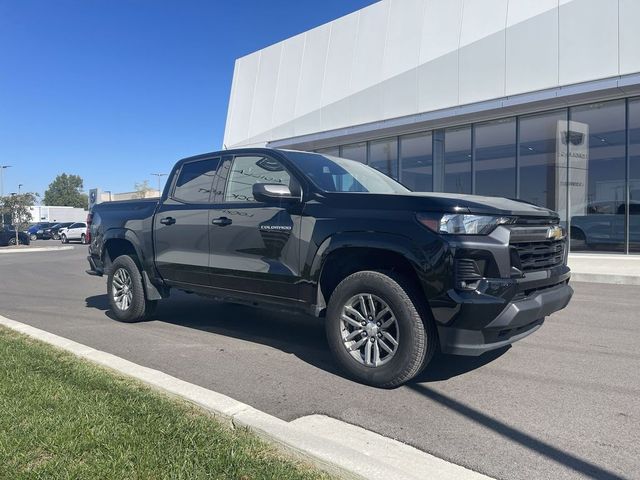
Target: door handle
[(222, 221), (167, 221)]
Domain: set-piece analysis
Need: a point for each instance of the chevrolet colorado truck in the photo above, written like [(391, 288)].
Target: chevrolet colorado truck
[(396, 275)]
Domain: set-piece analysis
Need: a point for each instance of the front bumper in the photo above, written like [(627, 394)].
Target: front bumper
[(507, 302), (518, 319)]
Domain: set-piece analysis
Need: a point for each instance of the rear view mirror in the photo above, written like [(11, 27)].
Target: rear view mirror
[(274, 193)]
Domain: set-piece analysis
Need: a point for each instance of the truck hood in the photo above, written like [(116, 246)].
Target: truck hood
[(439, 202)]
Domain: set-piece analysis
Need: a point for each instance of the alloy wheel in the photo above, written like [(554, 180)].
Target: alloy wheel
[(122, 289), (369, 330)]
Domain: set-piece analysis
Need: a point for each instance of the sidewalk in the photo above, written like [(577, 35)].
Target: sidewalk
[(596, 268)]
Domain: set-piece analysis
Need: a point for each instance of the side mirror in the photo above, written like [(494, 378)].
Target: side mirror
[(274, 193)]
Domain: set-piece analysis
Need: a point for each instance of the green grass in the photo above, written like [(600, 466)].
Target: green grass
[(61, 417)]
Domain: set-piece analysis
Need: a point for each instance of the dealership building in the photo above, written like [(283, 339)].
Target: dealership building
[(531, 99)]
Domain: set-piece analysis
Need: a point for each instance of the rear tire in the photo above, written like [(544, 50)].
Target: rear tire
[(11, 241), (33, 237), (413, 330), (126, 293), (83, 239)]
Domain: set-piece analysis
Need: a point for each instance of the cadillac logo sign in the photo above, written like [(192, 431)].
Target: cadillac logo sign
[(555, 233)]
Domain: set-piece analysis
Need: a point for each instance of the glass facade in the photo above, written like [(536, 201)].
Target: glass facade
[(383, 156), (634, 176), (457, 160), (597, 143), (582, 161), (355, 151), (416, 152), (495, 158)]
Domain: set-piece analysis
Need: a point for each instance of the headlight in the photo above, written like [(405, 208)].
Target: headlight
[(463, 224)]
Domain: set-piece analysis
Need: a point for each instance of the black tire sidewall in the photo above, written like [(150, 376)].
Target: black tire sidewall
[(137, 309), (411, 346)]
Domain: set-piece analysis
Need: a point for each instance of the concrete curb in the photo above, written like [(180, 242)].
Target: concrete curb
[(36, 249), (336, 457)]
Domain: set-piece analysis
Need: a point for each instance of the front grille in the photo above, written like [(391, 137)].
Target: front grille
[(540, 255)]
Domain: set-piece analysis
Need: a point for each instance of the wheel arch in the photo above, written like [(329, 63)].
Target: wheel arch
[(343, 255)]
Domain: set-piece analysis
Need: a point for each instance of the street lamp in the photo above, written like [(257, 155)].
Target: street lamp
[(19, 187), (159, 175), (2, 167)]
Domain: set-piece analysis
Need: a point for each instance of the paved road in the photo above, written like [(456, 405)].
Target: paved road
[(563, 403)]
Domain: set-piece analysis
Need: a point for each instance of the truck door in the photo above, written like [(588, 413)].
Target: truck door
[(254, 246), (181, 224)]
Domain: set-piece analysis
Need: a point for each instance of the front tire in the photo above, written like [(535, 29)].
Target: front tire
[(63, 239), (126, 292), (83, 239), (12, 241), (379, 330), (33, 237)]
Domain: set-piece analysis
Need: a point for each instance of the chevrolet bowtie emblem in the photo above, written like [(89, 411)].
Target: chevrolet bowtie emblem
[(555, 233)]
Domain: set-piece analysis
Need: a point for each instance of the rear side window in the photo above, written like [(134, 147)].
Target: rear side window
[(195, 181), (247, 171)]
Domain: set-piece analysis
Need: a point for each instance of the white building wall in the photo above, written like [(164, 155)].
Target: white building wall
[(401, 57)]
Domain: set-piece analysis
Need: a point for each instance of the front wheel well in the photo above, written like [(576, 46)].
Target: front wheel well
[(343, 262)]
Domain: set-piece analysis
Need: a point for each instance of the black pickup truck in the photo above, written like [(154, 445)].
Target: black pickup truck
[(396, 275)]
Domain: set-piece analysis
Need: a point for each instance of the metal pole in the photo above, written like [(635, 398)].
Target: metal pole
[(2, 167), (159, 175)]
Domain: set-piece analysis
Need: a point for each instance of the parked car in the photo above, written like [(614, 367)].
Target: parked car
[(8, 236), (53, 231), (36, 231), (396, 275), (73, 233)]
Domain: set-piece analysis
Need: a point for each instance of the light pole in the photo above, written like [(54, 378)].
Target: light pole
[(159, 175), (19, 187), (2, 167)]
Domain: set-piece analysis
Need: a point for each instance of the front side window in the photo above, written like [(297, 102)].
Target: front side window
[(250, 170), (195, 181)]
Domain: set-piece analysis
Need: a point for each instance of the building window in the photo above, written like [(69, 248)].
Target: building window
[(355, 151), (383, 156), (332, 151), (416, 159), (495, 158), (596, 139), (457, 160), (542, 155), (634, 175)]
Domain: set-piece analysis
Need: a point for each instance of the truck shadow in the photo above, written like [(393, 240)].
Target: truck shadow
[(296, 334)]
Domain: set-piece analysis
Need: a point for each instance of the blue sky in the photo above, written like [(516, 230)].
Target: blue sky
[(113, 90)]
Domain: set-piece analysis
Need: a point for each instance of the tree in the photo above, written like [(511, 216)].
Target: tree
[(142, 189), (15, 209), (66, 191)]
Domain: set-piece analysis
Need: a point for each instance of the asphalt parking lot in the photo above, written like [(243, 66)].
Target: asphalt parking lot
[(563, 403)]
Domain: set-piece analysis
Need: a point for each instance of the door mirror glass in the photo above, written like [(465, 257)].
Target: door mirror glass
[(273, 193)]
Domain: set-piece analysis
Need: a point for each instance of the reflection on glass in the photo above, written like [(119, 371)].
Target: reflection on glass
[(457, 160), (597, 143), (634, 175), (495, 157), (542, 153), (383, 156), (417, 162), (355, 151), (333, 151)]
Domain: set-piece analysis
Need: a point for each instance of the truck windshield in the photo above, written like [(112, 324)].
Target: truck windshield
[(334, 174)]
